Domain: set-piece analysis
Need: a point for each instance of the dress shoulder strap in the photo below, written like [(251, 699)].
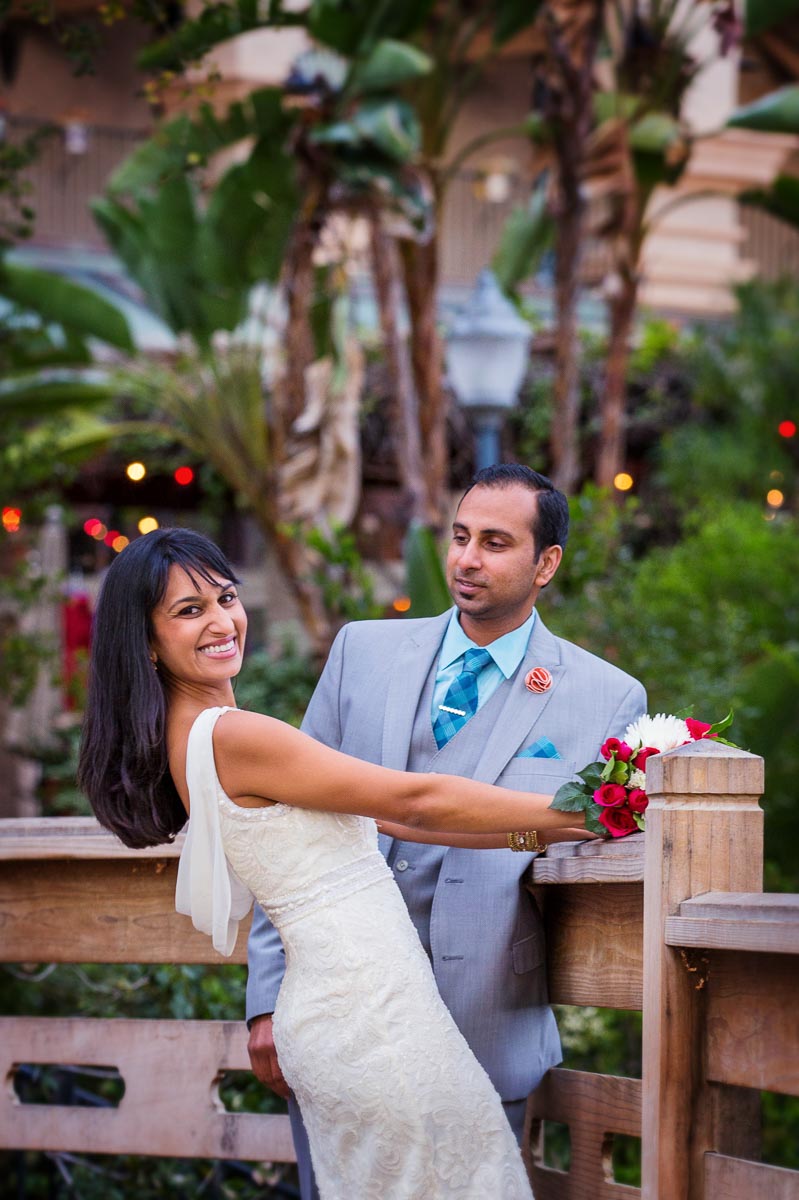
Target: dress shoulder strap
[(208, 889)]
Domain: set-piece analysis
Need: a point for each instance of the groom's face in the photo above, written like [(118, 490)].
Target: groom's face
[(494, 571)]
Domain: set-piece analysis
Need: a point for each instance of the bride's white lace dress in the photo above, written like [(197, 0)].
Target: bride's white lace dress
[(395, 1104)]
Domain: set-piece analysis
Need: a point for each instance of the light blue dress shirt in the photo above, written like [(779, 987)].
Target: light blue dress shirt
[(507, 652)]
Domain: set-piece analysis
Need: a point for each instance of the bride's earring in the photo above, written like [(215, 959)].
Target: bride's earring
[(154, 661)]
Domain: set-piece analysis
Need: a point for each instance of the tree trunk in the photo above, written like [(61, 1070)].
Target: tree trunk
[(612, 434), (573, 32), (405, 403), (564, 438), (420, 268), (293, 559), (627, 247), (298, 286)]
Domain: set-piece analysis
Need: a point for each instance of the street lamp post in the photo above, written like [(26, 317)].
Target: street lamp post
[(487, 350)]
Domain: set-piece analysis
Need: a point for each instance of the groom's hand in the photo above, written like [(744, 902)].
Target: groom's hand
[(263, 1056)]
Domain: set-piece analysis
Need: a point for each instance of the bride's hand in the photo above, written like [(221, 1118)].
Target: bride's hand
[(263, 1055)]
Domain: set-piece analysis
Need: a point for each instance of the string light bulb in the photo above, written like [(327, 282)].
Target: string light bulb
[(12, 519)]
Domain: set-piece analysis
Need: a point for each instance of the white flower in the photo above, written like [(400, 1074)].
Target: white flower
[(637, 779), (662, 732)]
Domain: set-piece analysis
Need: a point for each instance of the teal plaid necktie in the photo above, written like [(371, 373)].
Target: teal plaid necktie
[(460, 702)]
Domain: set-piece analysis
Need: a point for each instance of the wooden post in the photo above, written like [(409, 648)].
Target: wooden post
[(704, 833)]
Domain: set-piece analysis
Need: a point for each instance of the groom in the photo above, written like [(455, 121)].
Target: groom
[(543, 709)]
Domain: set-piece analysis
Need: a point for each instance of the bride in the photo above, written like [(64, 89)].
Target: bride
[(396, 1105)]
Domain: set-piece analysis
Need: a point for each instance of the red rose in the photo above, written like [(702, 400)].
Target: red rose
[(610, 795), (638, 800), (639, 762), (698, 729), (622, 751), (618, 821)]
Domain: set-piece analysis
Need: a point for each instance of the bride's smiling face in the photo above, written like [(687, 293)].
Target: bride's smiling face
[(199, 628)]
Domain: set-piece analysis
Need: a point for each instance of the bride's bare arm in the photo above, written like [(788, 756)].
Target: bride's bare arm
[(259, 758), (474, 841)]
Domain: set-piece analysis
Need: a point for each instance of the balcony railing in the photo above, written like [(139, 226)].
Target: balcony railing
[(672, 922)]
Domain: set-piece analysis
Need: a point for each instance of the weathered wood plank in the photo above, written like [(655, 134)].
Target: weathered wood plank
[(70, 837), (751, 906), (753, 1021), (620, 861), (115, 910), (734, 1179), (768, 937), (737, 921), (185, 1118), (594, 943), (594, 1107)]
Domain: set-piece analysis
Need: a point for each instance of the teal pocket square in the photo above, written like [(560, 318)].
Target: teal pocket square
[(543, 748)]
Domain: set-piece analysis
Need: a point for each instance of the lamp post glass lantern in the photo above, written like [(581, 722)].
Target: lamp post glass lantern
[(487, 349)]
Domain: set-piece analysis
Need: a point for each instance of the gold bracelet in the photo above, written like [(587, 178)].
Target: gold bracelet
[(526, 841)]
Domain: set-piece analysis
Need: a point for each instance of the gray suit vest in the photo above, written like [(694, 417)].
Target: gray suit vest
[(416, 866)]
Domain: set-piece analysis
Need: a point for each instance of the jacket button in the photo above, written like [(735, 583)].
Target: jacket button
[(401, 865)]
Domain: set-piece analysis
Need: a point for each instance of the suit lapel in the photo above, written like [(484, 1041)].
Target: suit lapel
[(522, 710), (406, 683)]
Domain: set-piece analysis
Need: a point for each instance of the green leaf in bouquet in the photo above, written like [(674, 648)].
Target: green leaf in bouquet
[(593, 775), (640, 821), (592, 822), (684, 713), (570, 797), (619, 771), (720, 726)]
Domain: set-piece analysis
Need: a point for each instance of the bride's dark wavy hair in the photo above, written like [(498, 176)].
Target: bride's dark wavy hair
[(123, 766)]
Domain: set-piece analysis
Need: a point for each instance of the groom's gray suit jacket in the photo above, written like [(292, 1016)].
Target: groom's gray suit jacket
[(373, 701)]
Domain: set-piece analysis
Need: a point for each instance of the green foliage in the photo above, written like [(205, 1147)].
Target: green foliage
[(526, 237), (22, 655), (346, 585), (531, 420), (657, 339), (598, 541), (427, 584), (776, 112), (216, 23), (17, 217), (278, 684), (123, 1177), (56, 299), (761, 15), (746, 379), (781, 199), (769, 720), (711, 622), (389, 64), (185, 143)]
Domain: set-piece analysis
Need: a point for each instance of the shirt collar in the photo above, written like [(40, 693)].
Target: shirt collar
[(507, 651)]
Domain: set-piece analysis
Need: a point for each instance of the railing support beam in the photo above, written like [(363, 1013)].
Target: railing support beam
[(704, 833)]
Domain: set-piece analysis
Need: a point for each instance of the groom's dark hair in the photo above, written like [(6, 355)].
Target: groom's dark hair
[(123, 766), (551, 524)]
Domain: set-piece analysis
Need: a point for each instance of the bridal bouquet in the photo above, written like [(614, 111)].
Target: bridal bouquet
[(613, 795)]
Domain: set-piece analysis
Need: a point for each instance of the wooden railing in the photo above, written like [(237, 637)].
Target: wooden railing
[(673, 922)]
